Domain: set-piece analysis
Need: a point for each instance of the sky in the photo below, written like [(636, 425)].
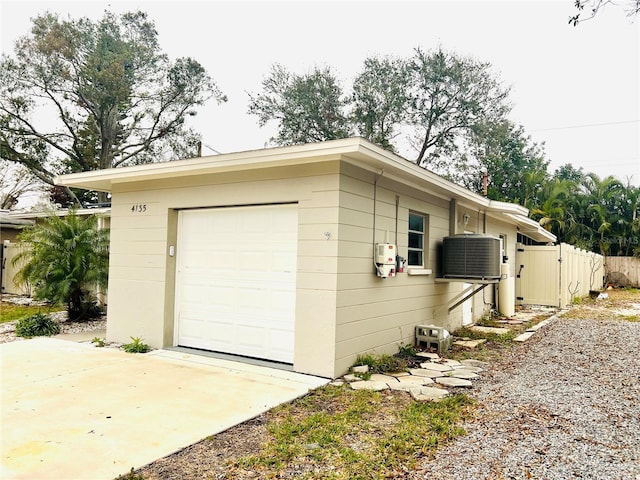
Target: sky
[(577, 89)]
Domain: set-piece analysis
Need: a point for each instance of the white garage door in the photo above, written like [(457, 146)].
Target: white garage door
[(236, 282)]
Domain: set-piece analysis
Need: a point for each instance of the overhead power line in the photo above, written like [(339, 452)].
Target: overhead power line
[(586, 125)]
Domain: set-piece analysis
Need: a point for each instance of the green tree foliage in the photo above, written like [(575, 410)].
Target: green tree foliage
[(601, 215), (115, 97), (438, 100), (380, 100), (516, 167), (450, 98), (307, 108), (67, 258)]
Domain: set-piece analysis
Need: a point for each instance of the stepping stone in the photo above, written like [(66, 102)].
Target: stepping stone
[(523, 337), (408, 385), (414, 380), (428, 393), (403, 387), (369, 385), (472, 362), (399, 374), (470, 344), (543, 323), (423, 372), (435, 366), (450, 363), (432, 356), (452, 382), (377, 377), (337, 383), (464, 374), (469, 368), (350, 377), (496, 330)]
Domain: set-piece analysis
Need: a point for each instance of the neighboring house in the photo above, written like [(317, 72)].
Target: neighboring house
[(10, 228), (11, 223), (270, 253)]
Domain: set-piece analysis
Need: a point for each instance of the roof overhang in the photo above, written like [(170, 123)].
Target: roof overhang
[(531, 228), (357, 151), (82, 212)]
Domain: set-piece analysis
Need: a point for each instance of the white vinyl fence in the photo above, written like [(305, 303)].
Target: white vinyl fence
[(554, 275), (623, 271)]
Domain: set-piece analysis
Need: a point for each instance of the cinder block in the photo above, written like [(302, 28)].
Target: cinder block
[(434, 337)]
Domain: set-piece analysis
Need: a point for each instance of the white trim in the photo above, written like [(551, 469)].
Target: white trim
[(419, 271)]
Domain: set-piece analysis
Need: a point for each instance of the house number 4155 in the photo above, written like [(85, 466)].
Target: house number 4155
[(139, 208)]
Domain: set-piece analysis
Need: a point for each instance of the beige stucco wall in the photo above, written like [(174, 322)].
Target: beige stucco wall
[(142, 275)]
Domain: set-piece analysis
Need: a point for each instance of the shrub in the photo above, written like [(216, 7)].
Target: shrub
[(136, 346), (67, 257), (37, 325)]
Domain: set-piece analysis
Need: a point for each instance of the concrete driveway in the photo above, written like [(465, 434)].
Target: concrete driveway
[(71, 410)]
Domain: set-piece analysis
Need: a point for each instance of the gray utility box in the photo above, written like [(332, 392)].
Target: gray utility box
[(433, 336)]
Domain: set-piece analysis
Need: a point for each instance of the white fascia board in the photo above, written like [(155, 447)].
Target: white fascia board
[(531, 228), (103, 180), (62, 212), (357, 151)]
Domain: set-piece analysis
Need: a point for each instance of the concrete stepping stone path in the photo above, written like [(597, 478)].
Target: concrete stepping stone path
[(421, 382)]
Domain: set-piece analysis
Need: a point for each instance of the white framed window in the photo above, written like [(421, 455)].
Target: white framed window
[(418, 232)]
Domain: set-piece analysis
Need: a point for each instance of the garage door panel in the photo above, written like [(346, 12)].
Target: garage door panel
[(237, 280)]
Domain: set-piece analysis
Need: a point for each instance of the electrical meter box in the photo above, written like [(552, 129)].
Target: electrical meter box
[(385, 260)]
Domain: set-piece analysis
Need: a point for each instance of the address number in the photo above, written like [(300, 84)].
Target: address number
[(139, 208)]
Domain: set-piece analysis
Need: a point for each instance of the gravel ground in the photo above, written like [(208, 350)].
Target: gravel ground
[(564, 405)]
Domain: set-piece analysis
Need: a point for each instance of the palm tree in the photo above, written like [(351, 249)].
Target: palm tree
[(67, 259)]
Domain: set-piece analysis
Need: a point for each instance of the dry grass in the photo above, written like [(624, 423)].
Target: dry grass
[(621, 304)]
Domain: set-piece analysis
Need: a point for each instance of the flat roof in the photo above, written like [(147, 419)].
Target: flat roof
[(355, 150)]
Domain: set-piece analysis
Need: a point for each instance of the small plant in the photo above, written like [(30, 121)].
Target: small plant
[(136, 346), (382, 363), (407, 350), (98, 342), (37, 325), (363, 375)]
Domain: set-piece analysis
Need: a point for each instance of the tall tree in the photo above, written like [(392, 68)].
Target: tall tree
[(380, 100), (116, 98), (450, 96), (439, 99), (516, 166), (307, 108)]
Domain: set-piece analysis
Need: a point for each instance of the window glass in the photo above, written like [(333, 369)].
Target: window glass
[(416, 234)]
